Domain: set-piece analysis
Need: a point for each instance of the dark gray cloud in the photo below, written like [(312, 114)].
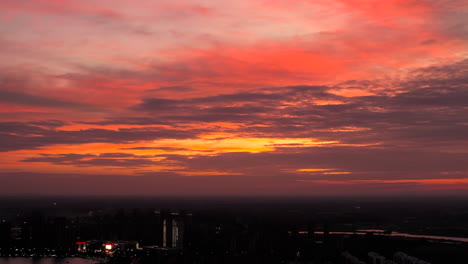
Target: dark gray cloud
[(129, 120), (172, 89), (87, 160), (430, 105), (116, 155), (17, 89), (417, 133), (40, 101), (17, 135), (157, 104)]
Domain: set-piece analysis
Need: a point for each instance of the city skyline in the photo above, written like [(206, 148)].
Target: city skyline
[(240, 98)]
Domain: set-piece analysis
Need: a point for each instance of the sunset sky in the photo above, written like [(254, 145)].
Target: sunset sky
[(245, 97)]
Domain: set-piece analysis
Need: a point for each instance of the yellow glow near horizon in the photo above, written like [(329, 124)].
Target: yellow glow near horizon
[(314, 170), (208, 144)]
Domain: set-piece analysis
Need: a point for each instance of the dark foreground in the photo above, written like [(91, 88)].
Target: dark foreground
[(236, 230)]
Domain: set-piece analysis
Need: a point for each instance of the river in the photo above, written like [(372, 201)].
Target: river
[(395, 234)]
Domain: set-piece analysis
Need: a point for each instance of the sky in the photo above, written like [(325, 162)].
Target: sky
[(237, 98)]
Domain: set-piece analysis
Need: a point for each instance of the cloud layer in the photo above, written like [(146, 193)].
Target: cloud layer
[(254, 98)]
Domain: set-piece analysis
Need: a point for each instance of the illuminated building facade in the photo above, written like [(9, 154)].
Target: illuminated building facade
[(173, 231)]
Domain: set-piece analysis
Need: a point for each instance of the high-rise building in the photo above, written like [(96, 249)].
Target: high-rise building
[(173, 231), (350, 259), (375, 258), (5, 236), (402, 258)]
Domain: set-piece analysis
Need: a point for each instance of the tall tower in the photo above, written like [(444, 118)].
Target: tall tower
[(177, 233), (173, 231)]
